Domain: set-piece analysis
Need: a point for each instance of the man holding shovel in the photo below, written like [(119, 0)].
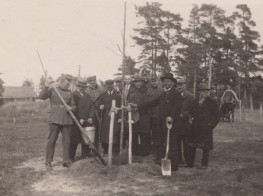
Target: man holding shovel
[(170, 103), (59, 119)]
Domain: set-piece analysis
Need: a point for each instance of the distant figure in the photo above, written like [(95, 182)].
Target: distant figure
[(59, 119), (204, 117)]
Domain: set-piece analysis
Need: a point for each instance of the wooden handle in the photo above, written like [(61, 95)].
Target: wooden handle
[(85, 137), (111, 134), (130, 138)]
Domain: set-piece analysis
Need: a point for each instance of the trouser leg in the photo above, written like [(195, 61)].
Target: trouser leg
[(173, 151), (154, 129), (145, 144), (66, 134), (205, 157), (186, 150), (192, 152), (179, 147), (85, 150), (73, 149), (135, 144), (52, 138)]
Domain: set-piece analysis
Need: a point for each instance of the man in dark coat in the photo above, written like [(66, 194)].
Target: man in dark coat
[(104, 102), (205, 117), (85, 114), (184, 131), (155, 91), (141, 136), (170, 104), (59, 119)]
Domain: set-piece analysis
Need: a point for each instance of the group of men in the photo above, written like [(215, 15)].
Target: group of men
[(193, 120)]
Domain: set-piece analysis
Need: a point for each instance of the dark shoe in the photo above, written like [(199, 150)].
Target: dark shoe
[(182, 165), (174, 168), (203, 167), (66, 164), (48, 166)]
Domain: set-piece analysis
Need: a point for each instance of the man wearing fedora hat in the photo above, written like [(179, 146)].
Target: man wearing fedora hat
[(85, 114), (170, 103), (59, 119), (204, 118)]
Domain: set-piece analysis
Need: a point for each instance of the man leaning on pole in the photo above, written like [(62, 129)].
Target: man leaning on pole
[(59, 119)]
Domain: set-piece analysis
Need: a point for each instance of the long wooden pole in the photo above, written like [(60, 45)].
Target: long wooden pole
[(113, 105), (122, 84), (85, 137), (130, 138)]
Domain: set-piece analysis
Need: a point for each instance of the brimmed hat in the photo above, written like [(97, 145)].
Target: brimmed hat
[(91, 78), (81, 82), (181, 81), (66, 77), (139, 78), (203, 86), (118, 79), (168, 76), (109, 82)]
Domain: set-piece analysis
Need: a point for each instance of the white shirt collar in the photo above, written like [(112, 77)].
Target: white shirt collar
[(166, 90)]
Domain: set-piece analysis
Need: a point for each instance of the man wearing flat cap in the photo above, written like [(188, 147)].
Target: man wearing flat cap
[(170, 104), (204, 117), (85, 114), (104, 103), (141, 137), (185, 127), (59, 119)]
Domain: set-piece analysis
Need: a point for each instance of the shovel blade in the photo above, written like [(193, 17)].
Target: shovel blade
[(166, 167)]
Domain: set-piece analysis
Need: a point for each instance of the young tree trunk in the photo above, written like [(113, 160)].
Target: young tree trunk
[(251, 103)]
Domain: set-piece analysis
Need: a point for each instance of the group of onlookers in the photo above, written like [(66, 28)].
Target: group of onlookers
[(193, 120)]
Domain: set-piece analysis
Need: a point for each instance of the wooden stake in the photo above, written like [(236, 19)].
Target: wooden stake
[(240, 110), (260, 110), (130, 138), (113, 105)]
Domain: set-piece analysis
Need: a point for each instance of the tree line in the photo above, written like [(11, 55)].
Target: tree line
[(215, 48)]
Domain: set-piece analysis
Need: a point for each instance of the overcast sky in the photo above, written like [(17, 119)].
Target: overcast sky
[(69, 33)]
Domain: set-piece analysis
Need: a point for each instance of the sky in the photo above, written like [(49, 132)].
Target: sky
[(69, 33)]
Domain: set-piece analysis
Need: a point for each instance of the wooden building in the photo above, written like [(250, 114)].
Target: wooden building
[(18, 93)]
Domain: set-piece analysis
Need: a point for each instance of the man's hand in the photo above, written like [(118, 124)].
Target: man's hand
[(133, 105), (49, 81), (68, 108), (102, 107), (169, 120), (191, 120), (90, 121), (81, 121), (128, 108)]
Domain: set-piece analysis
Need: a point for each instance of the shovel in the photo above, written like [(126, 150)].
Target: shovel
[(166, 163)]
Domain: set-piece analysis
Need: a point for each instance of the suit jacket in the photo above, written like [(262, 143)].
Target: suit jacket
[(85, 106), (170, 104), (57, 113), (155, 92)]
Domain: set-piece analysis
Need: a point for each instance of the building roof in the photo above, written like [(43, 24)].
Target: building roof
[(18, 92)]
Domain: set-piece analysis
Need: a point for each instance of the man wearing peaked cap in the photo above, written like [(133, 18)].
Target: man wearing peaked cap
[(184, 131), (59, 119), (85, 114), (204, 117), (104, 103)]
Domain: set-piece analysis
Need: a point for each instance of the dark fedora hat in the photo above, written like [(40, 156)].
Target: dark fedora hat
[(203, 86), (82, 81), (168, 76)]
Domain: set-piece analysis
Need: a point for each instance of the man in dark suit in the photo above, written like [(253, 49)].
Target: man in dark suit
[(59, 119), (170, 103), (204, 117), (85, 114), (104, 102)]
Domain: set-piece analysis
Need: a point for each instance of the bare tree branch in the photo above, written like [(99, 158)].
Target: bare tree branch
[(114, 52)]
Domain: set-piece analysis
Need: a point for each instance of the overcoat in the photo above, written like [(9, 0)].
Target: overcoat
[(155, 92), (106, 100), (188, 99), (138, 96), (94, 93), (57, 113), (85, 110), (170, 104), (206, 117)]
